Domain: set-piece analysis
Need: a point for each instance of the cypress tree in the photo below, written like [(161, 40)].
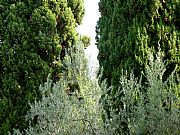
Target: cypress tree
[(128, 29), (33, 38)]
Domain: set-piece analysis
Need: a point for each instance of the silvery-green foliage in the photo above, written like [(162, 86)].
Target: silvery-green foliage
[(60, 114), (152, 110), (158, 110)]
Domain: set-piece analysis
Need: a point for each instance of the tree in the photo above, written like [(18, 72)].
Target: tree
[(154, 113), (61, 113), (64, 113), (128, 30), (34, 35)]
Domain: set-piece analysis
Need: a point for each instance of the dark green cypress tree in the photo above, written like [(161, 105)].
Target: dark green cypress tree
[(33, 38), (128, 29)]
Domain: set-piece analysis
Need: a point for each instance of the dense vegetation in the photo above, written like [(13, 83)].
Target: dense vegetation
[(45, 87), (34, 35), (60, 113), (127, 31)]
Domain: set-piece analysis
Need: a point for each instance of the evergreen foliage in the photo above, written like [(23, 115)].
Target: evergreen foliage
[(127, 30), (33, 38), (61, 114), (155, 112)]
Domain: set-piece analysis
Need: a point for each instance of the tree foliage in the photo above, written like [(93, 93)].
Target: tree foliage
[(60, 113), (33, 38), (156, 112), (128, 30), (86, 41)]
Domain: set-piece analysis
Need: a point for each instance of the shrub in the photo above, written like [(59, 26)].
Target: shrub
[(128, 29), (60, 113), (155, 111)]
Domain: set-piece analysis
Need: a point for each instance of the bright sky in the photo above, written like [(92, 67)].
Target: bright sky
[(88, 28), (90, 19)]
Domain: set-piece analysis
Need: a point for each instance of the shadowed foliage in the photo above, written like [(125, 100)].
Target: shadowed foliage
[(128, 30), (34, 35)]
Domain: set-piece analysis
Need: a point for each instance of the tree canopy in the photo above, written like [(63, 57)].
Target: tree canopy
[(34, 35), (128, 30)]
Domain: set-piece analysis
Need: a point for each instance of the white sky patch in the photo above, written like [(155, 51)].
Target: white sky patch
[(88, 28), (90, 19)]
